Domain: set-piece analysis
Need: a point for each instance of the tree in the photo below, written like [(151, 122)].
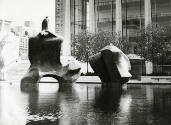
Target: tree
[(153, 43), (101, 40), (86, 44), (81, 46)]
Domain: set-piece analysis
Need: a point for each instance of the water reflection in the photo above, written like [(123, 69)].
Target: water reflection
[(107, 99), (85, 105), (13, 105), (52, 107)]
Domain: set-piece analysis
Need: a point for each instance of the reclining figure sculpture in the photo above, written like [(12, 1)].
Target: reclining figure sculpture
[(44, 56), (112, 66)]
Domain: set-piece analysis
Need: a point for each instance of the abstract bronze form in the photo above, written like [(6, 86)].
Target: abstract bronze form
[(44, 56), (112, 66)]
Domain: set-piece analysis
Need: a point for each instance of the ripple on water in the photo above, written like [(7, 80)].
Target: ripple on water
[(52, 117)]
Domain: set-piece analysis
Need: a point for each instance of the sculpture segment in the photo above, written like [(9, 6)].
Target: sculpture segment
[(44, 56), (112, 66)]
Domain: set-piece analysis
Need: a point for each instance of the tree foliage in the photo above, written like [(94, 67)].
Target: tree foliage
[(81, 45), (153, 43), (86, 44)]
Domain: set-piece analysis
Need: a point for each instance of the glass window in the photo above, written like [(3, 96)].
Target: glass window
[(78, 16), (161, 12), (105, 15), (133, 18)]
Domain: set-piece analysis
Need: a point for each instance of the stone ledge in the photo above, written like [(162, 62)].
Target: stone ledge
[(96, 80)]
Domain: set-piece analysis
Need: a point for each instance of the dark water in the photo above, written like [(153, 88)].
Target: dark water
[(85, 105)]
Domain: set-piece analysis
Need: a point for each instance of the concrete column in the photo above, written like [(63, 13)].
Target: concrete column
[(147, 9), (148, 22), (91, 16), (66, 47), (119, 17)]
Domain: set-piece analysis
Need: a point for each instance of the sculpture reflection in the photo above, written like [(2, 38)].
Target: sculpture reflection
[(107, 99), (12, 105), (78, 104), (85, 104), (111, 105), (48, 104)]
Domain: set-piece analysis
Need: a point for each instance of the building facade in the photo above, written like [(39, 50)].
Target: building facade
[(59, 16), (125, 17), (5, 25), (23, 47)]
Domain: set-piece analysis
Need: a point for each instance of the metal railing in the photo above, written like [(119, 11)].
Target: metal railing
[(162, 69)]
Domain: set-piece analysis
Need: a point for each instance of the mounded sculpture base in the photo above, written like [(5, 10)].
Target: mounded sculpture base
[(112, 66), (44, 56)]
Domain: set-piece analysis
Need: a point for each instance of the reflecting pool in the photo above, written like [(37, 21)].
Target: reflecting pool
[(85, 104)]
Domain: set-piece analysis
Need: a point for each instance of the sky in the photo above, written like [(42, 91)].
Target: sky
[(28, 10)]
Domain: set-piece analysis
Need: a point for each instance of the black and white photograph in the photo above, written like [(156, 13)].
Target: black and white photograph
[(85, 62)]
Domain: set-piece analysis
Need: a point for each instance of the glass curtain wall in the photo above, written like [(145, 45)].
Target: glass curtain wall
[(78, 16), (105, 15), (132, 20), (133, 17), (161, 12), (78, 19)]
